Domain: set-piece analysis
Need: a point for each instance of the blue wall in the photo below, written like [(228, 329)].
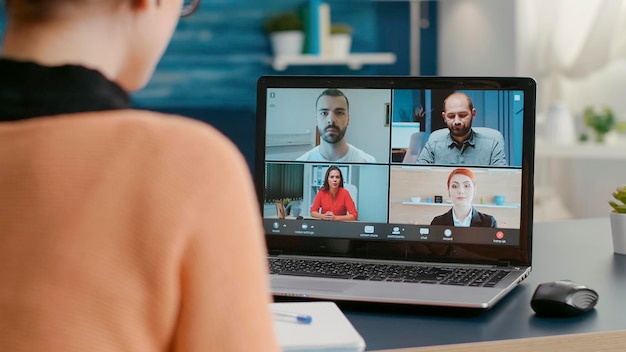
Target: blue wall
[(217, 54), (210, 69)]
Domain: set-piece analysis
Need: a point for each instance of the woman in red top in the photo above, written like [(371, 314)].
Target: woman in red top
[(333, 202)]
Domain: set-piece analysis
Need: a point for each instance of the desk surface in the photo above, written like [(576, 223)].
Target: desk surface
[(579, 250), (605, 341)]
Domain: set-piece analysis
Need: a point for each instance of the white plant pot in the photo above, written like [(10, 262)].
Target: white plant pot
[(618, 231), (287, 42), (340, 44)]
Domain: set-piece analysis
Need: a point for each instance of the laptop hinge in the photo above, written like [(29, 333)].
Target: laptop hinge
[(275, 253)]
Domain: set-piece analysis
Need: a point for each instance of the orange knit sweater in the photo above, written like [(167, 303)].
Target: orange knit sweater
[(128, 231)]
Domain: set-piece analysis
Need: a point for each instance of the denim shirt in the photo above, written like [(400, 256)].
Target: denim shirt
[(479, 149)]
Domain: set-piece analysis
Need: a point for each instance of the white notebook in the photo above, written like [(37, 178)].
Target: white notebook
[(329, 329)]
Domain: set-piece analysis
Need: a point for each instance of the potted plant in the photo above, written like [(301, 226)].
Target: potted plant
[(287, 205), (618, 220), (601, 123), (340, 39), (286, 33)]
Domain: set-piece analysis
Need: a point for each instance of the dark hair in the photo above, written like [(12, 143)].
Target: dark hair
[(469, 100), (332, 92), (326, 186), (27, 11)]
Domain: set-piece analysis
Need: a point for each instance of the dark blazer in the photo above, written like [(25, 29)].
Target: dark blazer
[(478, 219)]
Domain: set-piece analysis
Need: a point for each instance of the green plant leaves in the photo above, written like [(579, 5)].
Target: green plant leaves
[(600, 122), (619, 195)]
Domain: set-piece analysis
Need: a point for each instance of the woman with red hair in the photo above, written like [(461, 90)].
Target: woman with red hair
[(462, 189)]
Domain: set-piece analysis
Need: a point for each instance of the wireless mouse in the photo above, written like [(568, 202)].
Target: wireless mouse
[(563, 298)]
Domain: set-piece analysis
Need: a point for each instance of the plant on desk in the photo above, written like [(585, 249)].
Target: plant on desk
[(620, 196), (618, 220)]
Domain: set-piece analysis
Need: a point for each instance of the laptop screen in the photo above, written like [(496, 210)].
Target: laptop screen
[(415, 167)]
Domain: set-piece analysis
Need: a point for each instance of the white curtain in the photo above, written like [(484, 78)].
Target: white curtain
[(565, 39)]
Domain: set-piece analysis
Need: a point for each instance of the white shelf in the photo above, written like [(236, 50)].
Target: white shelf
[(353, 61), (512, 205), (588, 150)]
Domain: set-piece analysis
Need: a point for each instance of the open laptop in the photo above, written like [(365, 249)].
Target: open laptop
[(395, 251)]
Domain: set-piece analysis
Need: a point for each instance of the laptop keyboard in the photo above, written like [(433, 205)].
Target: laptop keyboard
[(488, 277)]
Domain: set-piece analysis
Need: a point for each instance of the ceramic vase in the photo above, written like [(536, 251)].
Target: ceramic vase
[(618, 231), (287, 43), (560, 125), (341, 44)]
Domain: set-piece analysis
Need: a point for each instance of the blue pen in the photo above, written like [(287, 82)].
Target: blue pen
[(296, 317)]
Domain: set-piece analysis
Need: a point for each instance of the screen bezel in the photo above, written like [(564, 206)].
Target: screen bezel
[(407, 250)]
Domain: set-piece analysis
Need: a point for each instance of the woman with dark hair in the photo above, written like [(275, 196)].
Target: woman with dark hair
[(333, 201), (462, 189), (118, 225)]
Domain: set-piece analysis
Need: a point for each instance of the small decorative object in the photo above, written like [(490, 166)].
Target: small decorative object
[(618, 220), (560, 125), (280, 209), (286, 33), (438, 199), (340, 39), (601, 123), (498, 200), (287, 205)]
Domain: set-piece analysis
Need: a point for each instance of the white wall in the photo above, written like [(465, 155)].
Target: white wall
[(491, 37), (476, 37)]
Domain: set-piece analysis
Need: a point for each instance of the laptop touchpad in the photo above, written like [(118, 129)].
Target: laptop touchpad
[(310, 285)]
